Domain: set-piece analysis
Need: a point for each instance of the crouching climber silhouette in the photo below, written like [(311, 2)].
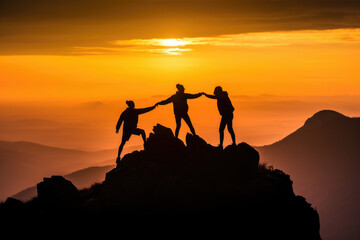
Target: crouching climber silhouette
[(226, 110), (130, 118)]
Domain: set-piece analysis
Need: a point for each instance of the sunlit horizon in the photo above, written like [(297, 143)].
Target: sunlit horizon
[(285, 63), (310, 38)]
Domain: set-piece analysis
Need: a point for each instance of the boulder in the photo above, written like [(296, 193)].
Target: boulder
[(57, 190)]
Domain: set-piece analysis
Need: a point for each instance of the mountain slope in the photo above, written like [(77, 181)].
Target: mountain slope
[(322, 158), (81, 179), (170, 184), (24, 164)]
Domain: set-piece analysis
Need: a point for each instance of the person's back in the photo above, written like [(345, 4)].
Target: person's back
[(179, 100), (226, 110), (224, 103), (180, 103), (131, 118)]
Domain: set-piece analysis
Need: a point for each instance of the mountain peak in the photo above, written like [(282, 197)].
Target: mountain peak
[(328, 114), (325, 116)]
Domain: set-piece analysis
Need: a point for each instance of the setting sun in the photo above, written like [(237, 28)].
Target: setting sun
[(173, 42)]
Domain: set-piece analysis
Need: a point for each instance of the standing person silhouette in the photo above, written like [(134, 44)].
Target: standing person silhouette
[(130, 118), (226, 110), (179, 100)]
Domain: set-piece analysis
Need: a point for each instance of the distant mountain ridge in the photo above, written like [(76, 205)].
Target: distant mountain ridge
[(30, 147), (81, 179), (25, 163), (323, 159)]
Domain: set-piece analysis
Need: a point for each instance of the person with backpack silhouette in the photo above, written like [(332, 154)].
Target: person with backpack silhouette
[(226, 110), (130, 118), (179, 100)]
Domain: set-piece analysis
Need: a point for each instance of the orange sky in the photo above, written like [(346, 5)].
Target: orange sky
[(295, 66), (299, 63), (303, 53), (67, 67)]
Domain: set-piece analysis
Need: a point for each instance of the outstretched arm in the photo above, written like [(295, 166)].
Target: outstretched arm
[(145, 110), (192, 96), (167, 101), (120, 121), (210, 96)]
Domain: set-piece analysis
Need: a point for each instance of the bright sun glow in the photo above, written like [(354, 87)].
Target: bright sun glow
[(176, 46), (172, 42)]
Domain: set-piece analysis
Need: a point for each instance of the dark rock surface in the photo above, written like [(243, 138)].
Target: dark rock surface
[(173, 184), (57, 190)]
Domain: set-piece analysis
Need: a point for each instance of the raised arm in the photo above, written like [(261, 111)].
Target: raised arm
[(167, 101), (145, 110), (192, 96), (120, 121), (210, 96)]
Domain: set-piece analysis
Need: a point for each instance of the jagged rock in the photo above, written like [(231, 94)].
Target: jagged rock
[(148, 174), (13, 204), (196, 143), (12, 210), (57, 190), (131, 180), (193, 183), (242, 157), (163, 145)]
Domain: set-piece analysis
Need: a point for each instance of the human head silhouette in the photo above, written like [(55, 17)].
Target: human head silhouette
[(218, 90), (130, 104), (180, 88)]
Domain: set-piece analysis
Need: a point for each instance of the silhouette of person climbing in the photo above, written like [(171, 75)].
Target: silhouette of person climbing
[(130, 118), (226, 110), (179, 100)]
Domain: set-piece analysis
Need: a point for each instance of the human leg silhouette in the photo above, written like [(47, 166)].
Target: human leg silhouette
[(126, 136), (188, 122), (221, 130), (143, 135), (178, 125), (141, 132), (230, 128), (120, 149)]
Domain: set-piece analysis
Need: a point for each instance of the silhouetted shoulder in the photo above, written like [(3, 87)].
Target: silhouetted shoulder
[(224, 104)]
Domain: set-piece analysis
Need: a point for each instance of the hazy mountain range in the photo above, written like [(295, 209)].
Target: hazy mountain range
[(81, 179), (24, 164), (176, 187), (322, 158)]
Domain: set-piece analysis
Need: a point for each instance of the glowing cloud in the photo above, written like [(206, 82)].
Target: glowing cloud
[(175, 46)]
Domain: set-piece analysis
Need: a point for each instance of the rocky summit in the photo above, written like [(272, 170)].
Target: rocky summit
[(173, 182)]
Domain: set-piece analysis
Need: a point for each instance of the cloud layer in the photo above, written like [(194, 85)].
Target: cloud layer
[(55, 27), (178, 46)]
